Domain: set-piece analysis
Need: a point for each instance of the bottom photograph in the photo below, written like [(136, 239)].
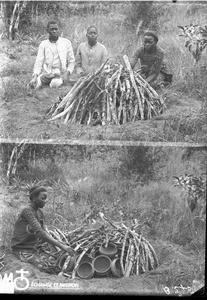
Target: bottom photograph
[(100, 219)]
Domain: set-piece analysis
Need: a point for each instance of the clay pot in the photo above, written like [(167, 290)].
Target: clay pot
[(109, 251), (116, 267), (70, 265), (85, 270), (102, 265)]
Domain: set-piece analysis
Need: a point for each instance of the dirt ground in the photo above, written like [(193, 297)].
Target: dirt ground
[(173, 276), (24, 117)]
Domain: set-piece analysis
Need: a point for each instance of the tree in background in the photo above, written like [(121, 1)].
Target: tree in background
[(12, 11), (144, 12), (18, 15)]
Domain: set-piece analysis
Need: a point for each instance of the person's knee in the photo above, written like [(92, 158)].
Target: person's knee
[(56, 82)]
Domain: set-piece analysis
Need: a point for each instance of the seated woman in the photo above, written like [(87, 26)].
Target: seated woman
[(152, 61), (91, 54), (30, 241)]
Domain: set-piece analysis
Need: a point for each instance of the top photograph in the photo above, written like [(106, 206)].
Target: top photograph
[(104, 71)]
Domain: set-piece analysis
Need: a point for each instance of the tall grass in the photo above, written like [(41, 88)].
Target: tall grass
[(95, 184), (119, 34)]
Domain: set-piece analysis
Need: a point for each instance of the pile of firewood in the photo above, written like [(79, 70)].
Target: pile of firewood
[(114, 94), (135, 253)]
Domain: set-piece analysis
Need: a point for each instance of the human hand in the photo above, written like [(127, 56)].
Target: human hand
[(65, 76), (80, 72), (83, 73), (33, 82), (144, 68), (68, 249)]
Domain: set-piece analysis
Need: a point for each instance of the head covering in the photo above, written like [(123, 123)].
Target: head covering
[(35, 190), (151, 33)]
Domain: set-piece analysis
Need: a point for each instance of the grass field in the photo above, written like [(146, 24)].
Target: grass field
[(116, 182), (123, 182)]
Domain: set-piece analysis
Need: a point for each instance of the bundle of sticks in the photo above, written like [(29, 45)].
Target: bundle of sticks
[(135, 253), (114, 94)]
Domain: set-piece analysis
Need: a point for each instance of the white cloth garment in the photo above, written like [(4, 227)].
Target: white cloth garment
[(54, 58)]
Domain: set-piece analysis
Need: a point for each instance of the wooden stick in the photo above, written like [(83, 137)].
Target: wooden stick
[(124, 110), (113, 110), (104, 109), (76, 110), (131, 260), (67, 97), (120, 102), (137, 255), (71, 95), (65, 265), (152, 251), (126, 60), (81, 256), (147, 86), (108, 116), (87, 100), (78, 261), (127, 256), (66, 118), (122, 252), (117, 82)]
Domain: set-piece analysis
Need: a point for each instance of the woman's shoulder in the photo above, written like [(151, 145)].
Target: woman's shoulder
[(139, 50), (27, 209), (25, 212)]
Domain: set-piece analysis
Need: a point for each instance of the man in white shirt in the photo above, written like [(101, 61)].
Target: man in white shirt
[(91, 54), (55, 60)]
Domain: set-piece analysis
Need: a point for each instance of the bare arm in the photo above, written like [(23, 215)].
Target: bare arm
[(105, 55), (156, 68), (36, 227), (135, 57), (70, 58), (78, 62), (151, 78)]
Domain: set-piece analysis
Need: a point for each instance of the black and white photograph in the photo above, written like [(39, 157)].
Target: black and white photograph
[(103, 147), (103, 219), (108, 70)]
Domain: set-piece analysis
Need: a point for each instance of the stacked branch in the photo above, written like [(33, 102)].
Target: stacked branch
[(136, 254), (114, 94), (16, 154)]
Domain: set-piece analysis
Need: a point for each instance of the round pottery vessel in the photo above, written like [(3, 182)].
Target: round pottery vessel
[(116, 267), (70, 265), (85, 270), (109, 251), (102, 265)]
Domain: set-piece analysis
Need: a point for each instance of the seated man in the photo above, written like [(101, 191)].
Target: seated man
[(91, 54), (55, 60), (152, 60), (30, 241)]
